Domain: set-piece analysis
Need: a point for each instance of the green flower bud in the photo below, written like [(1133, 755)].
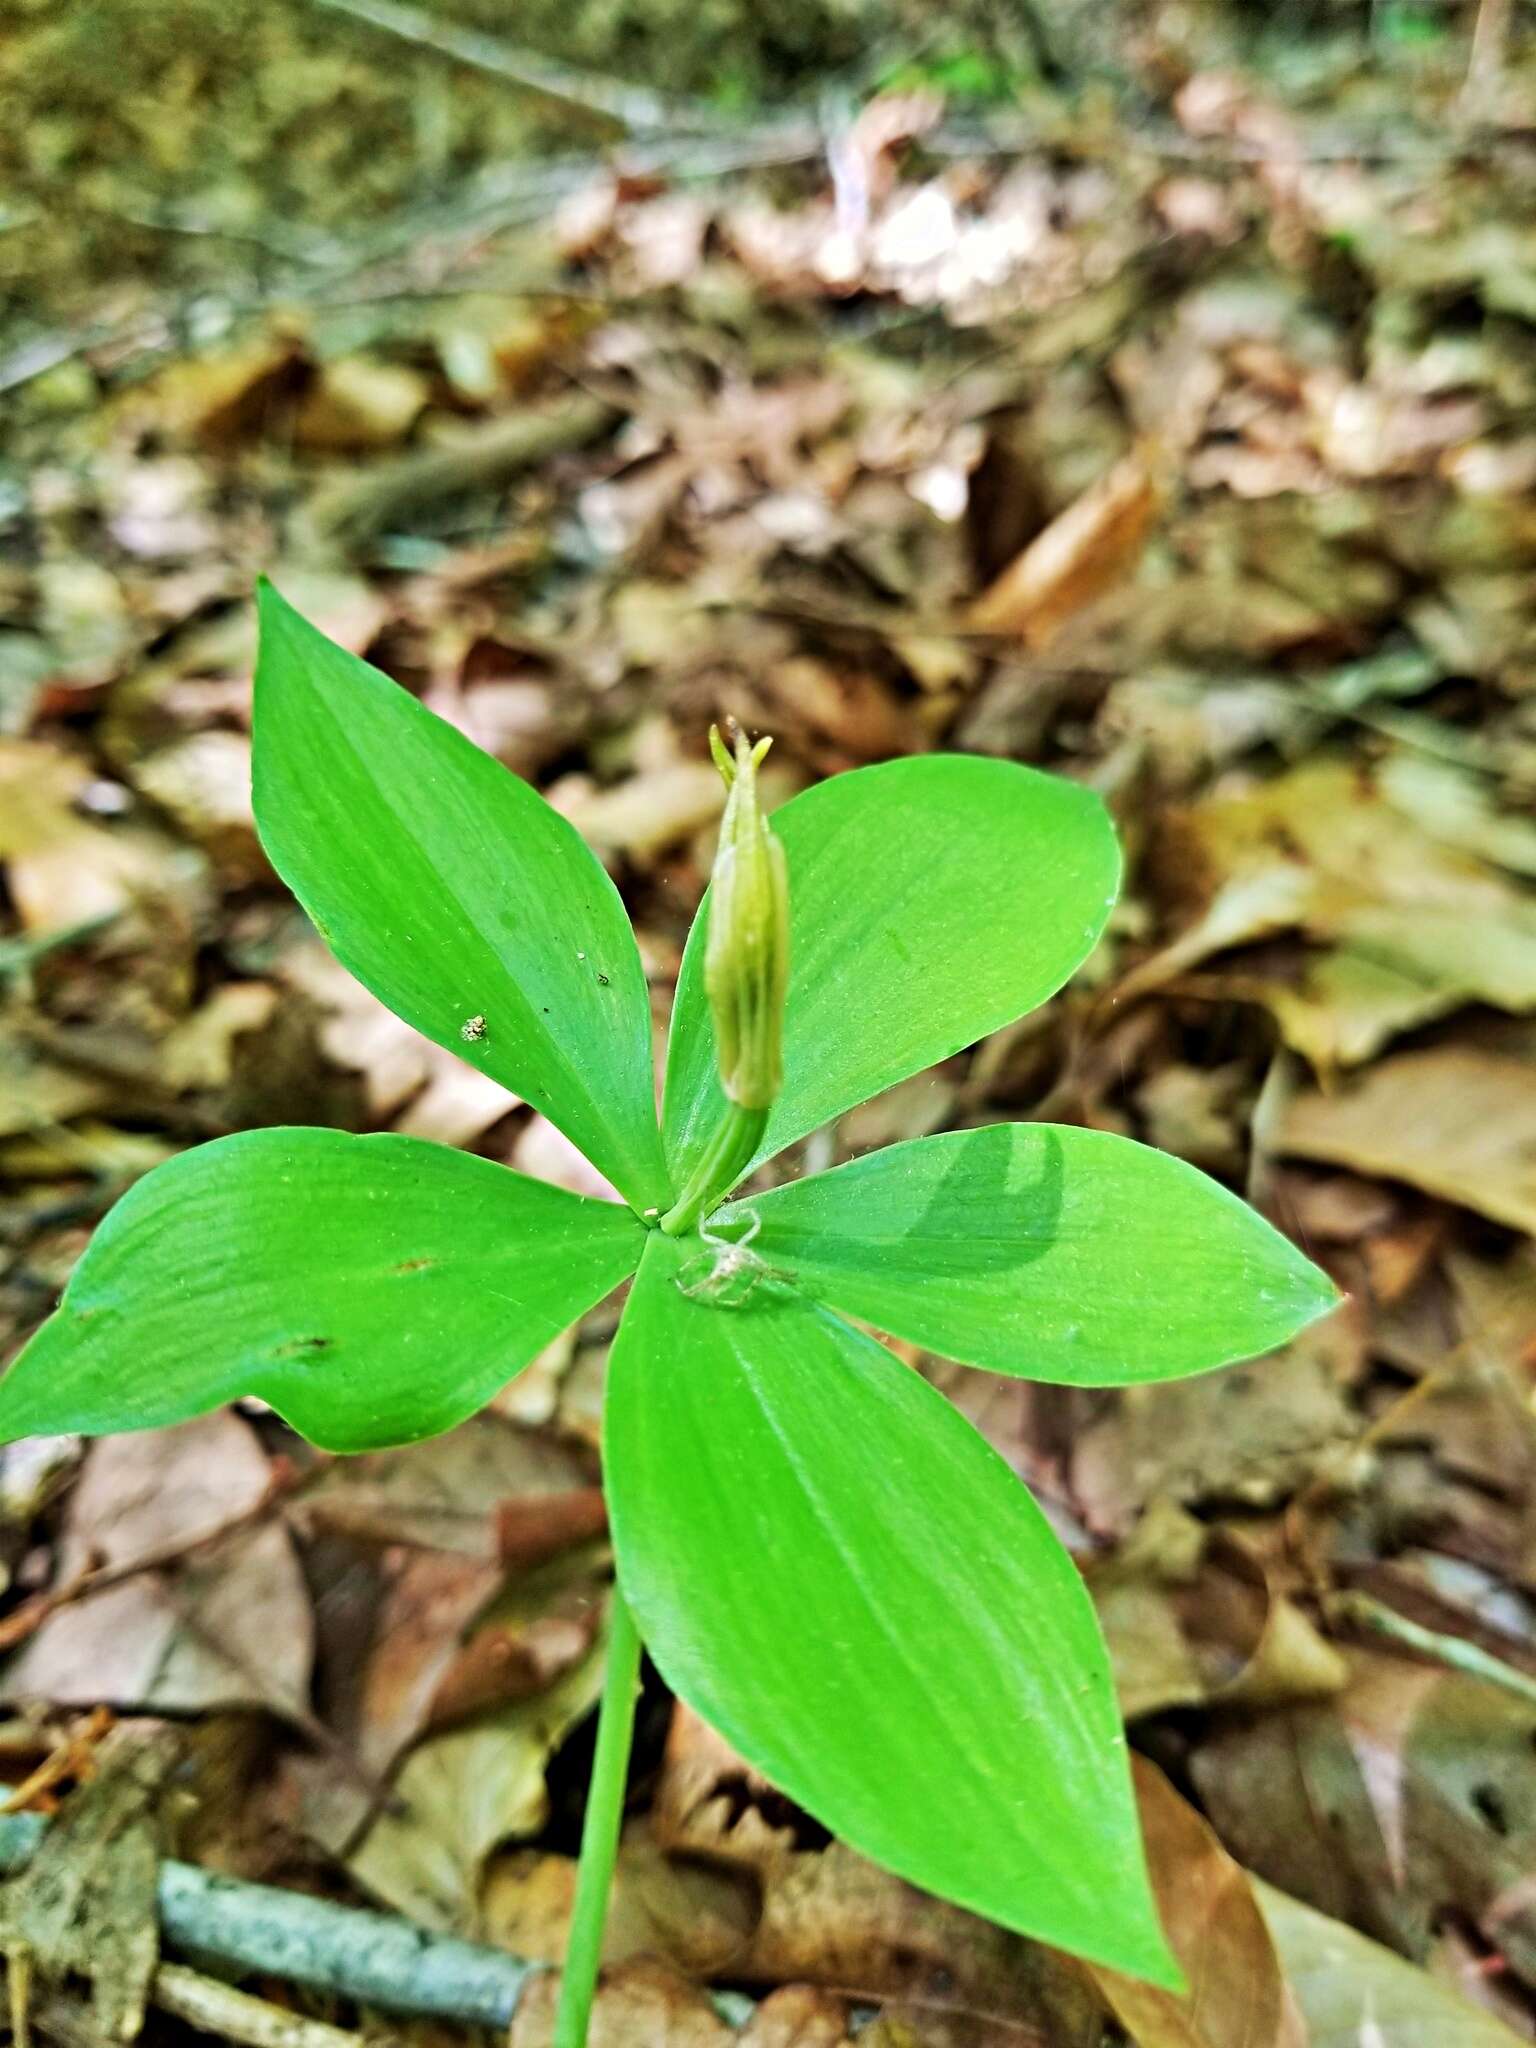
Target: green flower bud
[(746, 959)]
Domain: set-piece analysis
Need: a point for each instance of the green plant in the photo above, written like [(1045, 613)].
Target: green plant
[(822, 1556)]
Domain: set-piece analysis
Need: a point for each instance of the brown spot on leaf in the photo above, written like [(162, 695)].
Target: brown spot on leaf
[(304, 1347)]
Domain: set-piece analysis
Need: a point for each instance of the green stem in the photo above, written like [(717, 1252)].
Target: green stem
[(600, 1829), (720, 1167)]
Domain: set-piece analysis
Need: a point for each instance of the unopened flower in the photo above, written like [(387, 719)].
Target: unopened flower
[(746, 959)]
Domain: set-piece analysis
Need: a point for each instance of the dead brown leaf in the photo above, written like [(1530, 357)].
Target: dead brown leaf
[(232, 1627), (1457, 1121), (1407, 1798), (1237, 1996), (1083, 552), (830, 1918), (1192, 1617), (642, 2001)]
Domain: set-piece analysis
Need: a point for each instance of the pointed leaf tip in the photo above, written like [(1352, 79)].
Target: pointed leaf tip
[(831, 1566), (1056, 1253), (374, 1290)]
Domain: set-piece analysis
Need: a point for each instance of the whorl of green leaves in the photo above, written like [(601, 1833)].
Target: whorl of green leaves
[(825, 1559)]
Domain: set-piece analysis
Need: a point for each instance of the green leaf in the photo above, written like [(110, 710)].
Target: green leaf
[(374, 1290), (830, 1566), (1039, 1249), (453, 891), (930, 902)]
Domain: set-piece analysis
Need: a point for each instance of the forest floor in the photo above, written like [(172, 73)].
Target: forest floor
[(1176, 432)]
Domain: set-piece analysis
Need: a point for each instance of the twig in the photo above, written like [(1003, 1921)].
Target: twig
[(230, 2015), (375, 1958), (372, 1957), (359, 506), (68, 1759), (630, 107), (1359, 1610), (637, 111), (213, 2008)]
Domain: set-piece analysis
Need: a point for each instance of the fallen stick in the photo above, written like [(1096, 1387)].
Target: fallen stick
[(230, 2015), (628, 107), (354, 507), (213, 2008), (372, 1957)]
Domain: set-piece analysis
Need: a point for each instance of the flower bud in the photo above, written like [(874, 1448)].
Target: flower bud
[(746, 957)]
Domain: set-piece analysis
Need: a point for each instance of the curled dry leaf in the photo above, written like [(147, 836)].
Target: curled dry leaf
[(1396, 879), (461, 1795), (831, 1918), (1084, 551), (1406, 1799), (1191, 1617), (1237, 1996)]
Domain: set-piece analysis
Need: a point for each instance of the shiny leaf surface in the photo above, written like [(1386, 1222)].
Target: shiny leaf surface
[(829, 1565), (931, 901), (1043, 1250), (374, 1290), (452, 890)]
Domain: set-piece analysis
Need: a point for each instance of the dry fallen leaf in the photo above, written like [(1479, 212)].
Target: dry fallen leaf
[(1457, 1121), (85, 1903), (413, 1086), (1237, 1997), (62, 866), (359, 403), (1081, 554), (636, 2002), (459, 1796), (454, 1629), (199, 1052), (1191, 1617), (1406, 1799), (229, 1627), (1252, 1434), (831, 1918), (204, 782)]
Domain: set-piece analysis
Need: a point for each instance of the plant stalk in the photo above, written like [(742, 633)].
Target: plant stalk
[(600, 1827), (720, 1167)]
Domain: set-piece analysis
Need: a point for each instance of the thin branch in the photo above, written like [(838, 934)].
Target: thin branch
[(1360, 1610), (629, 107), (356, 506), (377, 1959), (374, 1958), (215, 2009), (230, 2015)]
